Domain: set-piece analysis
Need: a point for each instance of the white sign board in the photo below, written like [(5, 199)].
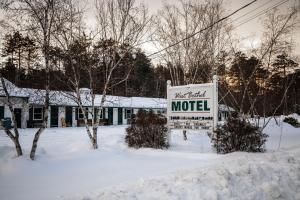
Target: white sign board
[(192, 106)]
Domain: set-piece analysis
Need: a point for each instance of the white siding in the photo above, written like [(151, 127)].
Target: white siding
[(135, 111), (124, 114), (18, 103), (7, 112), (106, 113), (49, 117), (25, 116), (61, 115), (74, 121), (115, 116)]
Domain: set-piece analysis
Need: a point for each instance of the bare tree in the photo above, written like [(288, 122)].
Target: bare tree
[(121, 28), (277, 39), (39, 18), (194, 57), (125, 25), (77, 62), (7, 101)]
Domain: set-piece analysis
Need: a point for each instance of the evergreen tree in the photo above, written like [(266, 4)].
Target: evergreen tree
[(238, 135), (142, 77), (147, 130), (284, 77), (19, 51), (243, 71)]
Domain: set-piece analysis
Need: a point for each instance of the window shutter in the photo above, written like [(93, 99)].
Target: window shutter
[(76, 113), (103, 113), (95, 113), (87, 113), (1, 112)]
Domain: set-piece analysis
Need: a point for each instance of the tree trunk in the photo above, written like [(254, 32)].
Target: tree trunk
[(14, 138), (95, 142), (47, 103), (88, 130), (34, 143), (18, 147), (15, 141)]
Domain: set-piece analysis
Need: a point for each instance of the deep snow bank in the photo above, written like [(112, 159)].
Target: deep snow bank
[(67, 166), (237, 176)]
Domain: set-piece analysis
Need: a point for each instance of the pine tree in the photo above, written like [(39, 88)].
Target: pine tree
[(238, 135), (147, 130)]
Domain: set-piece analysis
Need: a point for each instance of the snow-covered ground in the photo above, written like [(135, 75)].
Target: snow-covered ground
[(67, 168)]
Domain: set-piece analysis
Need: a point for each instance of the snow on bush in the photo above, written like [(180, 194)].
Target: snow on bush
[(147, 130), (292, 121), (238, 135)]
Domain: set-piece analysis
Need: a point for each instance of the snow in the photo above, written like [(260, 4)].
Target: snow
[(12, 89), (67, 168), (223, 107), (63, 98), (290, 135), (36, 97), (271, 176)]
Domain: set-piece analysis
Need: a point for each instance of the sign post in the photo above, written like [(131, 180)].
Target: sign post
[(168, 113), (192, 106), (215, 102)]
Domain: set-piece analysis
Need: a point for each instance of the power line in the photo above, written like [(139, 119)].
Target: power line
[(253, 10), (210, 26), (243, 22), (261, 13)]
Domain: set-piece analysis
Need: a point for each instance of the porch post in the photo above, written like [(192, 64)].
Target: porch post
[(49, 117), (74, 122)]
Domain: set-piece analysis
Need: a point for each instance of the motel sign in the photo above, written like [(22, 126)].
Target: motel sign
[(192, 106)]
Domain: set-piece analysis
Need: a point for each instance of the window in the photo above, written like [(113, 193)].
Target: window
[(128, 113), (37, 113), (100, 113), (226, 115), (79, 114), (161, 111)]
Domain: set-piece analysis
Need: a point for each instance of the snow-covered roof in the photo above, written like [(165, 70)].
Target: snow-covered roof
[(223, 107), (12, 89), (69, 98), (37, 97)]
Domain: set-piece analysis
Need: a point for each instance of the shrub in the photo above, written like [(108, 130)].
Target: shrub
[(292, 121), (238, 135), (147, 130)]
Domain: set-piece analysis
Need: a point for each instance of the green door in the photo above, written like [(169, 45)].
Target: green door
[(69, 116), (110, 116), (18, 115), (1, 112), (120, 116), (54, 116)]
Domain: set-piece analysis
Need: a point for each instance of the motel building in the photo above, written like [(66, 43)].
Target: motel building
[(64, 111)]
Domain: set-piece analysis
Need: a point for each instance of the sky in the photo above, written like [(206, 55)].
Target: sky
[(248, 34)]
